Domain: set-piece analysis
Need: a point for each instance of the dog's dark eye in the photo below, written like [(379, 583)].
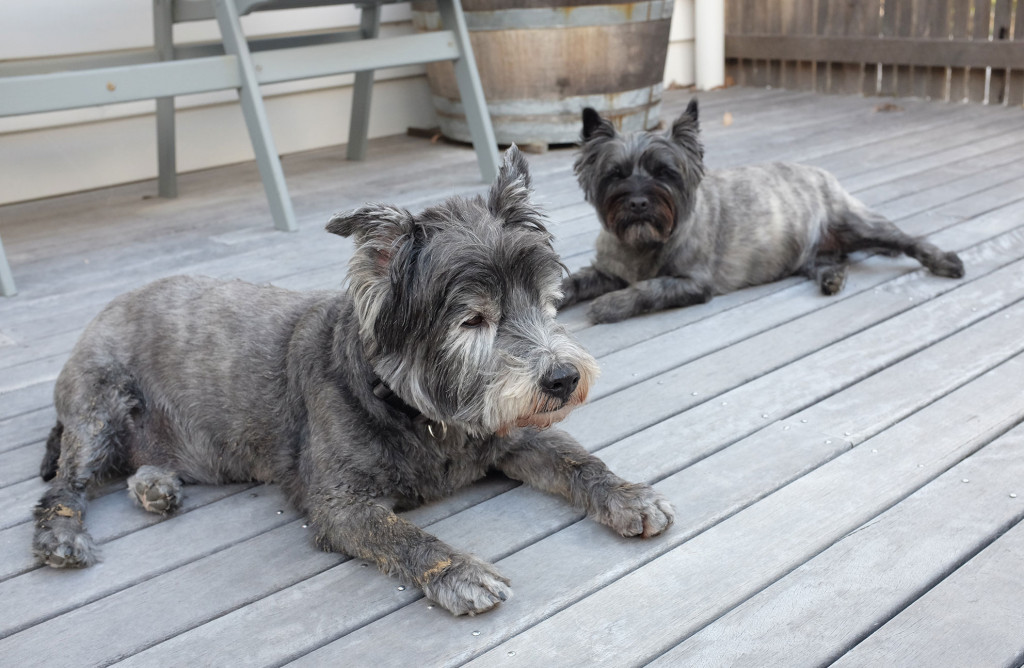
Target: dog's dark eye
[(618, 173), (475, 321)]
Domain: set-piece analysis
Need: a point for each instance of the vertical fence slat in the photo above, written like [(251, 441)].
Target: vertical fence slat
[(959, 29), (887, 84), (772, 25), (753, 70), (937, 28), (1000, 31), (872, 28), (864, 23), (979, 31), (733, 26), (823, 71), (905, 28)]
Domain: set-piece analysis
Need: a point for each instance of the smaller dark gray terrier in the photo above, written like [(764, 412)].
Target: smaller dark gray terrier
[(673, 235), (444, 360)]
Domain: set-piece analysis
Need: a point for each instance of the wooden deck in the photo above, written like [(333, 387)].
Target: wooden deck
[(847, 471)]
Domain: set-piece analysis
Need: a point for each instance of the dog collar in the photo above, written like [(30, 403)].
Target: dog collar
[(388, 396)]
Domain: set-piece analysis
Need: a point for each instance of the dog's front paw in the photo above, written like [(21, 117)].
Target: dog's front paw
[(466, 585), (948, 265), (634, 509), (569, 294), (613, 307), (62, 543)]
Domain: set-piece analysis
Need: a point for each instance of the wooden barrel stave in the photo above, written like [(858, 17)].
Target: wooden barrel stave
[(581, 53)]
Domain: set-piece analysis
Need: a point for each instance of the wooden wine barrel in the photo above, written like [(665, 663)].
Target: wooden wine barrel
[(542, 61)]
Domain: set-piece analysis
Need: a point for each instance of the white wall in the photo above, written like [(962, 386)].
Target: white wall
[(42, 155)]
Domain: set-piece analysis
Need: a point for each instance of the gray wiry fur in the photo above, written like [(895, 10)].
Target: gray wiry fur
[(673, 235), (196, 380)]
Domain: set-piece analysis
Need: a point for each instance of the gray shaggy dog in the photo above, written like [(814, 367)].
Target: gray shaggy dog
[(441, 362), (675, 235)]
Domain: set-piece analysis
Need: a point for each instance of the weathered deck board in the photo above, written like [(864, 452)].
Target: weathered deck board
[(980, 601), (790, 429), (827, 605)]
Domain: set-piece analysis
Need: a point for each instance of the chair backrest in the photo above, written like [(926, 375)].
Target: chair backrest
[(202, 10)]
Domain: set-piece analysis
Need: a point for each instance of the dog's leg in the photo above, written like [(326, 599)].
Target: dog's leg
[(60, 539), (553, 461), (863, 229), (155, 489), (654, 294), (364, 528), (588, 283), (828, 270), (94, 438)]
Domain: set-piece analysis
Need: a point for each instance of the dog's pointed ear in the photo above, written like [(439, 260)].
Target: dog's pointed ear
[(509, 196), (376, 228), (687, 125), (594, 126)]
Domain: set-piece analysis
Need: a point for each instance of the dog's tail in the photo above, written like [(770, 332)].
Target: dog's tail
[(48, 469)]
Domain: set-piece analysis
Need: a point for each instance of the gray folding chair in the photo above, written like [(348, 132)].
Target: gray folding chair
[(361, 51), (49, 84)]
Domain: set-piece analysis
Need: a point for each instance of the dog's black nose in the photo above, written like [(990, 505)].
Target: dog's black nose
[(638, 204), (561, 381)]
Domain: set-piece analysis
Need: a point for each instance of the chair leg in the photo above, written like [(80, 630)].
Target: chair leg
[(165, 136), (471, 91), (7, 287), (362, 92), (256, 118)]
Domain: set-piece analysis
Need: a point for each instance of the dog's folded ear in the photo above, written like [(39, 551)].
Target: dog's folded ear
[(377, 229), (595, 126), (509, 196), (372, 221)]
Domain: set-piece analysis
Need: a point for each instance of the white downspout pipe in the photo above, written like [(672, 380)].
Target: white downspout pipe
[(709, 43)]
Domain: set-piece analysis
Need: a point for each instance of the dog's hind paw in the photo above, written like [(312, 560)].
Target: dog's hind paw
[(155, 489), (466, 586), (636, 510), (63, 546), (832, 280), (948, 265)]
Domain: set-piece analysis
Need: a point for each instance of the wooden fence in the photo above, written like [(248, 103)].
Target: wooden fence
[(953, 50)]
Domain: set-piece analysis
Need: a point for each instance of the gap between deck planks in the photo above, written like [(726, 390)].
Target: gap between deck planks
[(464, 528)]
